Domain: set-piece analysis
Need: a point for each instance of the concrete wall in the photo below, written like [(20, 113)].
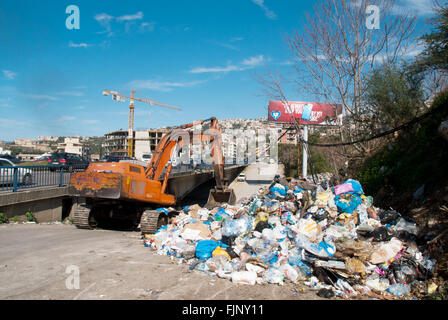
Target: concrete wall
[(50, 204), (44, 210)]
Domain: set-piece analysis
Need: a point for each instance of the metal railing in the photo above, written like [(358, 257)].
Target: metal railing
[(19, 178)]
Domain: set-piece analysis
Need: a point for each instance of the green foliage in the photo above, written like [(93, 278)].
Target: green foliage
[(289, 154), (418, 156), (14, 219), (435, 54), (393, 95), (15, 150), (30, 217), (3, 218), (320, 163), (34, 163), (68, 220)]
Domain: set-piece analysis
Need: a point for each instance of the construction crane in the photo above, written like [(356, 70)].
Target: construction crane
[(122, 98)]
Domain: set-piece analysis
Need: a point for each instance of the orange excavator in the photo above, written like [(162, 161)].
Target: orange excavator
[(127, 191)]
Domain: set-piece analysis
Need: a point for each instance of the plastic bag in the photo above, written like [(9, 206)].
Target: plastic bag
[(289, 272), (235, 227), (205, 248), (244, 277), (403, 225), (343, 188), (278, 190), (323, 250), (220, 252), (347, 202), (308, 228), (273, 275), (386, 251), (399, 289), (357, 188)]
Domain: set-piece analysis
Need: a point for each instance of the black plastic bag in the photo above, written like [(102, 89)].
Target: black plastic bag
[(380, 234), (388, 216), (325, 293)]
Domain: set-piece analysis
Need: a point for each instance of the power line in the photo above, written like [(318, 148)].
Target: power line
[(382, 134)]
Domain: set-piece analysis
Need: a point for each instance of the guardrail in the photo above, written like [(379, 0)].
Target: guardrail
[(19, 178)]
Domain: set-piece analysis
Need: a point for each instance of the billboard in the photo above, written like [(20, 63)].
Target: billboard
[(305, 112)]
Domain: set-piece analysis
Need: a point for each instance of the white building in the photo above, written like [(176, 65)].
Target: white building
[(71, 145)]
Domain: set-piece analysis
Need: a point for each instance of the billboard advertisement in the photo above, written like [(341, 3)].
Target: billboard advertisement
[(305, 112)]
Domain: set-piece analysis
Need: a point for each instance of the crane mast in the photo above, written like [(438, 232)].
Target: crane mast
[(121, 97)]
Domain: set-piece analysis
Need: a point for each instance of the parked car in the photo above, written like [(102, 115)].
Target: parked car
[(241, 177), (146, 157), (24, 175), (69, 160), (44, 158), (10, 158)]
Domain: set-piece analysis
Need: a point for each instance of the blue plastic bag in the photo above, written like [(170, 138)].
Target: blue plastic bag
[(348, 207), (297, 189), (279, 190), (357, 188), (205, 248), (163, 210)]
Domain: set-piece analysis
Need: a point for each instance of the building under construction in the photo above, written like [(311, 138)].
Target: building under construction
[(144, 141)]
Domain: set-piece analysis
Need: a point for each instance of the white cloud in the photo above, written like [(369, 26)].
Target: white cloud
[(253, 61), (215, 69), (78, 45), (147, 26), (131, 17), (268, 13), (40, 97), (102, 17), (105, 20), (9, 74), (416, 7), (248, 63), (66, 118), (162, 85), (80, 108)]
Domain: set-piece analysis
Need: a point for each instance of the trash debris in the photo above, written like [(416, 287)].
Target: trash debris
[(329, 238)]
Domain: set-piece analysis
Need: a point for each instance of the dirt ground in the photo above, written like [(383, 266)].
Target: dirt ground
[(112, 265)]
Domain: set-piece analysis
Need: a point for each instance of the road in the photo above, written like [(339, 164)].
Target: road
[(258, 175), (113, 265)]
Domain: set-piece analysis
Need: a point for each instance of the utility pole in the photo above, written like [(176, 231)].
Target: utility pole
[(305, 152)]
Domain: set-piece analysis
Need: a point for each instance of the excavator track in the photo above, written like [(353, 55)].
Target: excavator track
[(81, 217), (151, 221)]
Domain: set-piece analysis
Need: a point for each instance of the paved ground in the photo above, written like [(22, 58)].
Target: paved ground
[(257, 176), (112, 265)]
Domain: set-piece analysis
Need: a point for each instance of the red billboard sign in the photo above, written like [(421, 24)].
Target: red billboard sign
[(316, 113)]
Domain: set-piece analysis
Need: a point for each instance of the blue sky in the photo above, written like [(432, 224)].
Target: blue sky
[(200, 55)]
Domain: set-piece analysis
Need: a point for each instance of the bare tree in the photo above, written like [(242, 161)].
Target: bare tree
[(337, 47)]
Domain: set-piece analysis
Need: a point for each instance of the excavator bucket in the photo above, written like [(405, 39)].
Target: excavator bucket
[(216, 197)]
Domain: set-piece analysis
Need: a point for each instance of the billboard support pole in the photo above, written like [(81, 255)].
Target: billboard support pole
[(305, 152)]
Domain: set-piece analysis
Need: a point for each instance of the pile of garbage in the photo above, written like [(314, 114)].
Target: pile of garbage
[(331, 239)]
